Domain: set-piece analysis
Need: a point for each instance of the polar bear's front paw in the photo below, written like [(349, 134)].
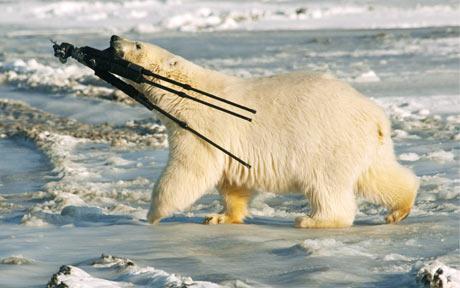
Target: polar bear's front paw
[(153, 217), (220, 219), (215, 219)]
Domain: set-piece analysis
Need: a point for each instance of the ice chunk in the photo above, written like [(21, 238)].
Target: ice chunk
[(16, 260), (437, 275), (129, 275), (369, 76), (409, 157)]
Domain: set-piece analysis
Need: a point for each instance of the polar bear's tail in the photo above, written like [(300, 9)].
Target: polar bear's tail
[(390, 184)]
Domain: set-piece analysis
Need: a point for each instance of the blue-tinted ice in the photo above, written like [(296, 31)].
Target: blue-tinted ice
[(67, 200)]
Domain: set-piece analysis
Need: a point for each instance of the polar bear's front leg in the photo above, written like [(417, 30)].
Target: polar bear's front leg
[(235, 206), (184, 180)]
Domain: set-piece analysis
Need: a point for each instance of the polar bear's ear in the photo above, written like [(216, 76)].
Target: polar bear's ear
[(171, 63)]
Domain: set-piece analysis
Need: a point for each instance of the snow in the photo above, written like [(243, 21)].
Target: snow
[(369, 76), (441, 156), (437, 275), (16, 260), (409, 157), (200, 15), (65, 200)]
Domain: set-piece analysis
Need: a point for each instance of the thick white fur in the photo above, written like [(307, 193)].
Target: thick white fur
[(312, 134)]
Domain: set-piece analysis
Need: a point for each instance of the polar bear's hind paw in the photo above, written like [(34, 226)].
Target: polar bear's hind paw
[(309, 222), (397, 215)]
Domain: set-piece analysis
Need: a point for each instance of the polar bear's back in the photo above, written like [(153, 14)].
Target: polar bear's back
[(296, 89), (320, 102)]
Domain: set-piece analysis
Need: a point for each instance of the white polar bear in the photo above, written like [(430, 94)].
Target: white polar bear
[(312, 134)]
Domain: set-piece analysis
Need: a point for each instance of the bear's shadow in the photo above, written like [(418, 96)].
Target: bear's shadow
[(253, 220), (266, 221)]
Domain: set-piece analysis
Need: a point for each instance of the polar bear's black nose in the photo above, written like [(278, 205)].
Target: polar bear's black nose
[(113, 39)]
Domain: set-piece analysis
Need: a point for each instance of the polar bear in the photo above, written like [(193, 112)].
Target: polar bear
[(312, 134)]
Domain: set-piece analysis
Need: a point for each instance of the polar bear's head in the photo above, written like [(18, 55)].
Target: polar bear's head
[(138, 52), (147, 55), (157, 60)]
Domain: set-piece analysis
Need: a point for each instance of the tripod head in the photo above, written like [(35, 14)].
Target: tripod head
[(62, 51)]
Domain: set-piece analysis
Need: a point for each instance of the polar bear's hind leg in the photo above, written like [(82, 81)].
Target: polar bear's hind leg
[(332, 207), (391, 185)]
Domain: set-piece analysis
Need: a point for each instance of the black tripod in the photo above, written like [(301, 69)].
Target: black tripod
[(105, 64)]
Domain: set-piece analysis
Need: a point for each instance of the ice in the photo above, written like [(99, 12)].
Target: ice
[(409, 156), (331, 248), (86, 110), (129, 274), (203, 18), (207, 15), (82, 193), (16, 260), (33, 221), (396, 257), (74, 277), (22, 169), (369, 76), (31, 74), (78, 161), (441, 156), (437, 275)]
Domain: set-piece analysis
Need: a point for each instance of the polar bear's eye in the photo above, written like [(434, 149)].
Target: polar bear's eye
[(138, 46)]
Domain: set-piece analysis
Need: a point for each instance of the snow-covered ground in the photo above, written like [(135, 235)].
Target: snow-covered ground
[(78, 160), (150, 16)]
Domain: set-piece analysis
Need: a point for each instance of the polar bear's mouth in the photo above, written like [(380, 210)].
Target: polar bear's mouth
[(116, 46)]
